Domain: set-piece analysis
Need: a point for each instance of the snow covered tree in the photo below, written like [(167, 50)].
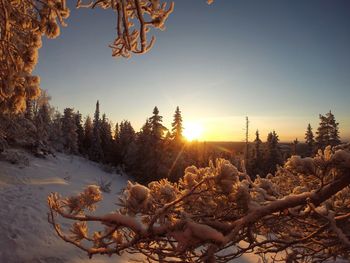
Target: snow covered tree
[(126, 138), (309, 140), (29, 114), (69, 131), (24, 22), (88, 131), (96, 153), (56, 133), (79, 131), (218, 213), (328, 131), (43, 122), (157, 128), (106, 139)]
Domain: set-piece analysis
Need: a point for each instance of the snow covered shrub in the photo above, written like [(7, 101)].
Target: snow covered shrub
[(15, 157), (299, 214), (105, 186)]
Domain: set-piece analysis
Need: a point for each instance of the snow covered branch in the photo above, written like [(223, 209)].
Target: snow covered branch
[(215, 214)]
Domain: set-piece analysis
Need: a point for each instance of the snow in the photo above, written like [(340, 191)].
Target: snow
[(25, 234)]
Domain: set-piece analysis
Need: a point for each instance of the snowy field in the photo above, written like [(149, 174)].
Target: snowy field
[(25, 234)]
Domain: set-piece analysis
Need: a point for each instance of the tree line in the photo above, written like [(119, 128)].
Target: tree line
[(152, 153)]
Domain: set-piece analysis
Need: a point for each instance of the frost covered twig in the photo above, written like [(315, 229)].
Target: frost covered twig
[(212, 215)]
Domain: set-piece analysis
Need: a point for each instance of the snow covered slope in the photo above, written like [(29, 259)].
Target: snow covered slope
[(25, 234)]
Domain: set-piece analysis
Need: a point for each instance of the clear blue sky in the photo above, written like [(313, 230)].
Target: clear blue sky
[(279, 62)]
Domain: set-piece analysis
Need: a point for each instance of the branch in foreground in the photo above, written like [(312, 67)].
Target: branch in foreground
[(215, 214)]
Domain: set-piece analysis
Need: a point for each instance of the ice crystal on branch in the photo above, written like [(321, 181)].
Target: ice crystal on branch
[(301, 212)]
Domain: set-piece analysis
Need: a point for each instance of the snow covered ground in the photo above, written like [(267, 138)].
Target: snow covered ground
[(25, 234)]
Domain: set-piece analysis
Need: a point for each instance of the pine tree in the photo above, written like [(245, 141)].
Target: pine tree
[(69, 131), (334, 138), (177, 127), (328, 131), (80, 132), (88, 131), (96, 153), (309, 140)]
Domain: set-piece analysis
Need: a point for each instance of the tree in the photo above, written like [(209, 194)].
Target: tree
[(157, 128), (298, 215), (334, 138), (295, 145), (56, 133), (88, 131), (309, 139), (177, 127), (126, 136), (96, 153), (328, 131), (257, 162), (80, 132), (273, 153), (43, 122), (69, 131), (106, 139)]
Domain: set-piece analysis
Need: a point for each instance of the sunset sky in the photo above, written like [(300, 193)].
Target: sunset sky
[(279, 62)]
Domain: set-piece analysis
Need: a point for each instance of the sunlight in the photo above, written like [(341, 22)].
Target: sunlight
[(193, 131)]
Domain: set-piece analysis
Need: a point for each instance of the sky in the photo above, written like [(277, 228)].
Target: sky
[(281, 63)]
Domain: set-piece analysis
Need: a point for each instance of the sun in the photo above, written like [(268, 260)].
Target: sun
[(192, 131)]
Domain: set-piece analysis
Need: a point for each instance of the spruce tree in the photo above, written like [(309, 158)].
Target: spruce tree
[(140, 167), (106, 139), (156, 157), (56, 133), (80, 132), (257, 162), (88, 131), (273, 153), (42, 122), (157, 127), (69, 129), (96, 153), (126, 137), (177, 127), (309, 140)]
